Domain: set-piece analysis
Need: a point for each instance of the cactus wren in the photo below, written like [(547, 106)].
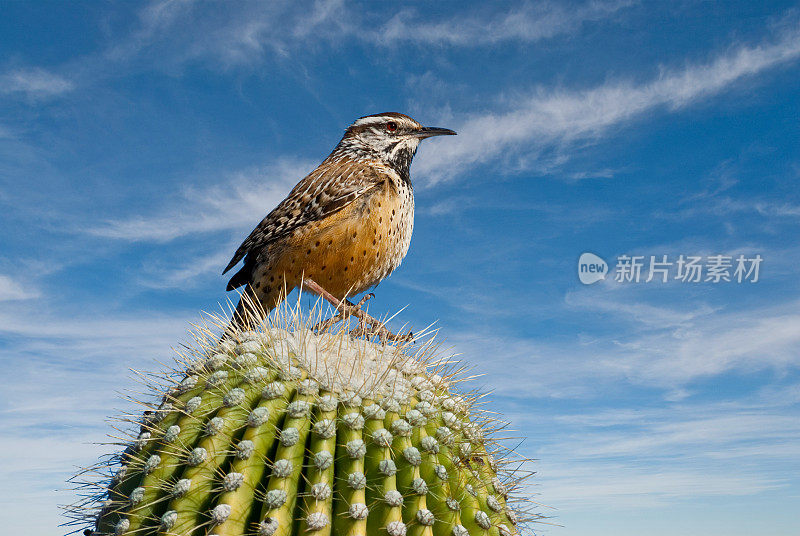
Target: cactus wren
[(344, 227)]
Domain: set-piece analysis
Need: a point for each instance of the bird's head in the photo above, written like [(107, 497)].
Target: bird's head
[(390, 137)]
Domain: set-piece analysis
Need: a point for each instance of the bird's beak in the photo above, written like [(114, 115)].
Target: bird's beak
[(429, 132)]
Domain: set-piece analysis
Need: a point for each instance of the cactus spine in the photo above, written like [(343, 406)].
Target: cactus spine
[(278, 431)]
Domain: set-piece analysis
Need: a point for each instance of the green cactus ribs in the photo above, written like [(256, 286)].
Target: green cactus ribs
[(279, 431)]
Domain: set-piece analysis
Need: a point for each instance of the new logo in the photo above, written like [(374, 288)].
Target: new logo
[(591, 268)]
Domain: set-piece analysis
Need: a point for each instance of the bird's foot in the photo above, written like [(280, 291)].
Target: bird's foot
[(367, 325)]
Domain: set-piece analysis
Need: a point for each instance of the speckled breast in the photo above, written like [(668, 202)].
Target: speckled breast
[(355, 248)]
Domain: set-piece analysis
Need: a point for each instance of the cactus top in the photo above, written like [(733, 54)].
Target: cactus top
[(348, 366), (286, 432)]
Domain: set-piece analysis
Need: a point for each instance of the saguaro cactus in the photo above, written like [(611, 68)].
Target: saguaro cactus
[(279, 431)]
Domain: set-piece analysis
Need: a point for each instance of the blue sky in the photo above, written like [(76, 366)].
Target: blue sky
[(141, 142)]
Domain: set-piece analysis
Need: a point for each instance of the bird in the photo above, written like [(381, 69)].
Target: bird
[(344, 227)]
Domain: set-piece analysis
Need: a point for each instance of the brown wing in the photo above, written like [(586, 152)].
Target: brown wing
[(326, 190)]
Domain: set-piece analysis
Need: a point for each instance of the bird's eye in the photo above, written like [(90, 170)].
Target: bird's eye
[(391, 126)]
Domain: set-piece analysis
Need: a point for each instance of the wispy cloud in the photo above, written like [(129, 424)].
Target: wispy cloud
[(240, 201), (749, 341), (188, 31), (13, 290), (725, 206), (653, 346), (185, 31), (682, 452), (191, 272), (722, 434), (63, 374), (561, 117), (34, 83), (154, 18), (526, 23), (622, 487), (704, 344)]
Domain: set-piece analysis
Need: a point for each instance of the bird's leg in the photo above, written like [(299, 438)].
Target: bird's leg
[(363, 328), (367, 325), (363, 320)]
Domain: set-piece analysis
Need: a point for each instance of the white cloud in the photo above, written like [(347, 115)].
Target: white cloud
[(177, 32), (35, 83), (641, 345), (628, 457), (562, 117), (767, 338), (40, 476), (155, 18), (240, 201), (639, 311), (189, 273), (47, 333), (527, 23), (625, 487), (658, 346), (720, 434), (725, 206), (63, 375), (12, 290)]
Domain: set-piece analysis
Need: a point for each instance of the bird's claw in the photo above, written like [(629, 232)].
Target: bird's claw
[(367, 326), (364, 300)]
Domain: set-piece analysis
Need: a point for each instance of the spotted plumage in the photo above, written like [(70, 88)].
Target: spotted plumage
[(347, 225)]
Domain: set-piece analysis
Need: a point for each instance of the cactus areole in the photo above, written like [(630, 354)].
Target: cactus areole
[(279, 431)]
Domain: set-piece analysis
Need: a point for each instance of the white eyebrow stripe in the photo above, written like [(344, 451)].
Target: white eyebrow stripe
[(379, 120), (373, 120)]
